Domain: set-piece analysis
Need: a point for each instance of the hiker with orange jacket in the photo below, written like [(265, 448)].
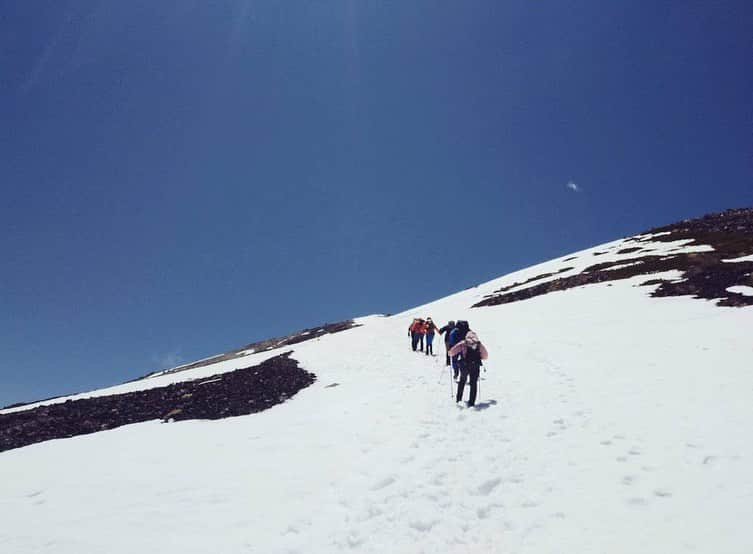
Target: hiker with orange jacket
[(430, 330), (421, 331), (415, 330), (411, 333)]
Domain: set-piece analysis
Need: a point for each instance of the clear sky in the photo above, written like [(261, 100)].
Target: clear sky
[(182, 177)]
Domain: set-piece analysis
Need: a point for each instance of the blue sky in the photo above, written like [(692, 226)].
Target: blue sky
[(181, 177)]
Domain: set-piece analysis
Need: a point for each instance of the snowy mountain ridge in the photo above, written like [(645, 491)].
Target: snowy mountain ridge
[(608, 420)]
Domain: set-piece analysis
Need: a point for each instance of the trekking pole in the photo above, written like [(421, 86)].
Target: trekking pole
[(479, 379)]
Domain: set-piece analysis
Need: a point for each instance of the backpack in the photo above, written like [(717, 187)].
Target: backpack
[(462, 330), (471, 359)]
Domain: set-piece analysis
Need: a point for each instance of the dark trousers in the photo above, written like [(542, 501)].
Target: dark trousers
[(473, 372), (446, 353), (455, 361), (421, 341), (414, 341)]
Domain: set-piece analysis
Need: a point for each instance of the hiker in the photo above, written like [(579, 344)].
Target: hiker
[(470, 352), (421, 330), (446, 332), (429, 330), (413, 333), (456, 336), (410, 331)]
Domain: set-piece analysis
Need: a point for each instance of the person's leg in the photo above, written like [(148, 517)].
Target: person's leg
[(461, 386), (421, 341), (415, 341), (455, 366), (474, 373)]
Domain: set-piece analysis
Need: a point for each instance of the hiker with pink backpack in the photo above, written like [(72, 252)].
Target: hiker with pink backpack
[(470, 354)]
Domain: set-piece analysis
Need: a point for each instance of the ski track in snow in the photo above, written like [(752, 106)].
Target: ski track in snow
[(599, 428)]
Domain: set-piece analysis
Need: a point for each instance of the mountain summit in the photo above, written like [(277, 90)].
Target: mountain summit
[(613, 416)]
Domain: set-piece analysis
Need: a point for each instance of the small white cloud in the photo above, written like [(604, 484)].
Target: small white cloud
[(573, 186), (169, 360)]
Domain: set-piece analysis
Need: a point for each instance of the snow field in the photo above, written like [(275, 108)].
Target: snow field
[(608, 422), (740, 259), (741, 289)]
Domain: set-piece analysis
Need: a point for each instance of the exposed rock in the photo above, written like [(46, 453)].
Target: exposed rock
[(532, 279), (269, 344), (240, 392), (705, 274)]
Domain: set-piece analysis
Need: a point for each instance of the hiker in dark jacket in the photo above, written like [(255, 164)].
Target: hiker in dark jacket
[(446, 332), (470, 352), (430, 329), (456, 336)]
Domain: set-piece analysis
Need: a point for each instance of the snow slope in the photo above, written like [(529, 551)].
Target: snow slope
[(608, 421)]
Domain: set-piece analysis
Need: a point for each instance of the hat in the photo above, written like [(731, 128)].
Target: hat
[(471, 339)]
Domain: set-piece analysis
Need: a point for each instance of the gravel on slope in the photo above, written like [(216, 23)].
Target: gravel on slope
[(240, 392)]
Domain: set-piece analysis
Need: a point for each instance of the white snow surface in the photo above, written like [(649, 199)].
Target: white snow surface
[(607, 422), (741, 289), (740, 259)]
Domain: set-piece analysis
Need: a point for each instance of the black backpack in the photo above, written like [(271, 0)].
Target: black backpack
[(472, 358), (463, 328)]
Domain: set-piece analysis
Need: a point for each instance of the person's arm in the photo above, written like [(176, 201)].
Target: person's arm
[(482, 351), (457, 349)]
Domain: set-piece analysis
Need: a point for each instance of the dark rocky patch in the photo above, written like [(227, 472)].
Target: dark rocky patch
[(532, 279), (629, 250), (570, 258), (651, 282), (269, 344), (240, 392), (19, 404), (612, 266), (705, 274)]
